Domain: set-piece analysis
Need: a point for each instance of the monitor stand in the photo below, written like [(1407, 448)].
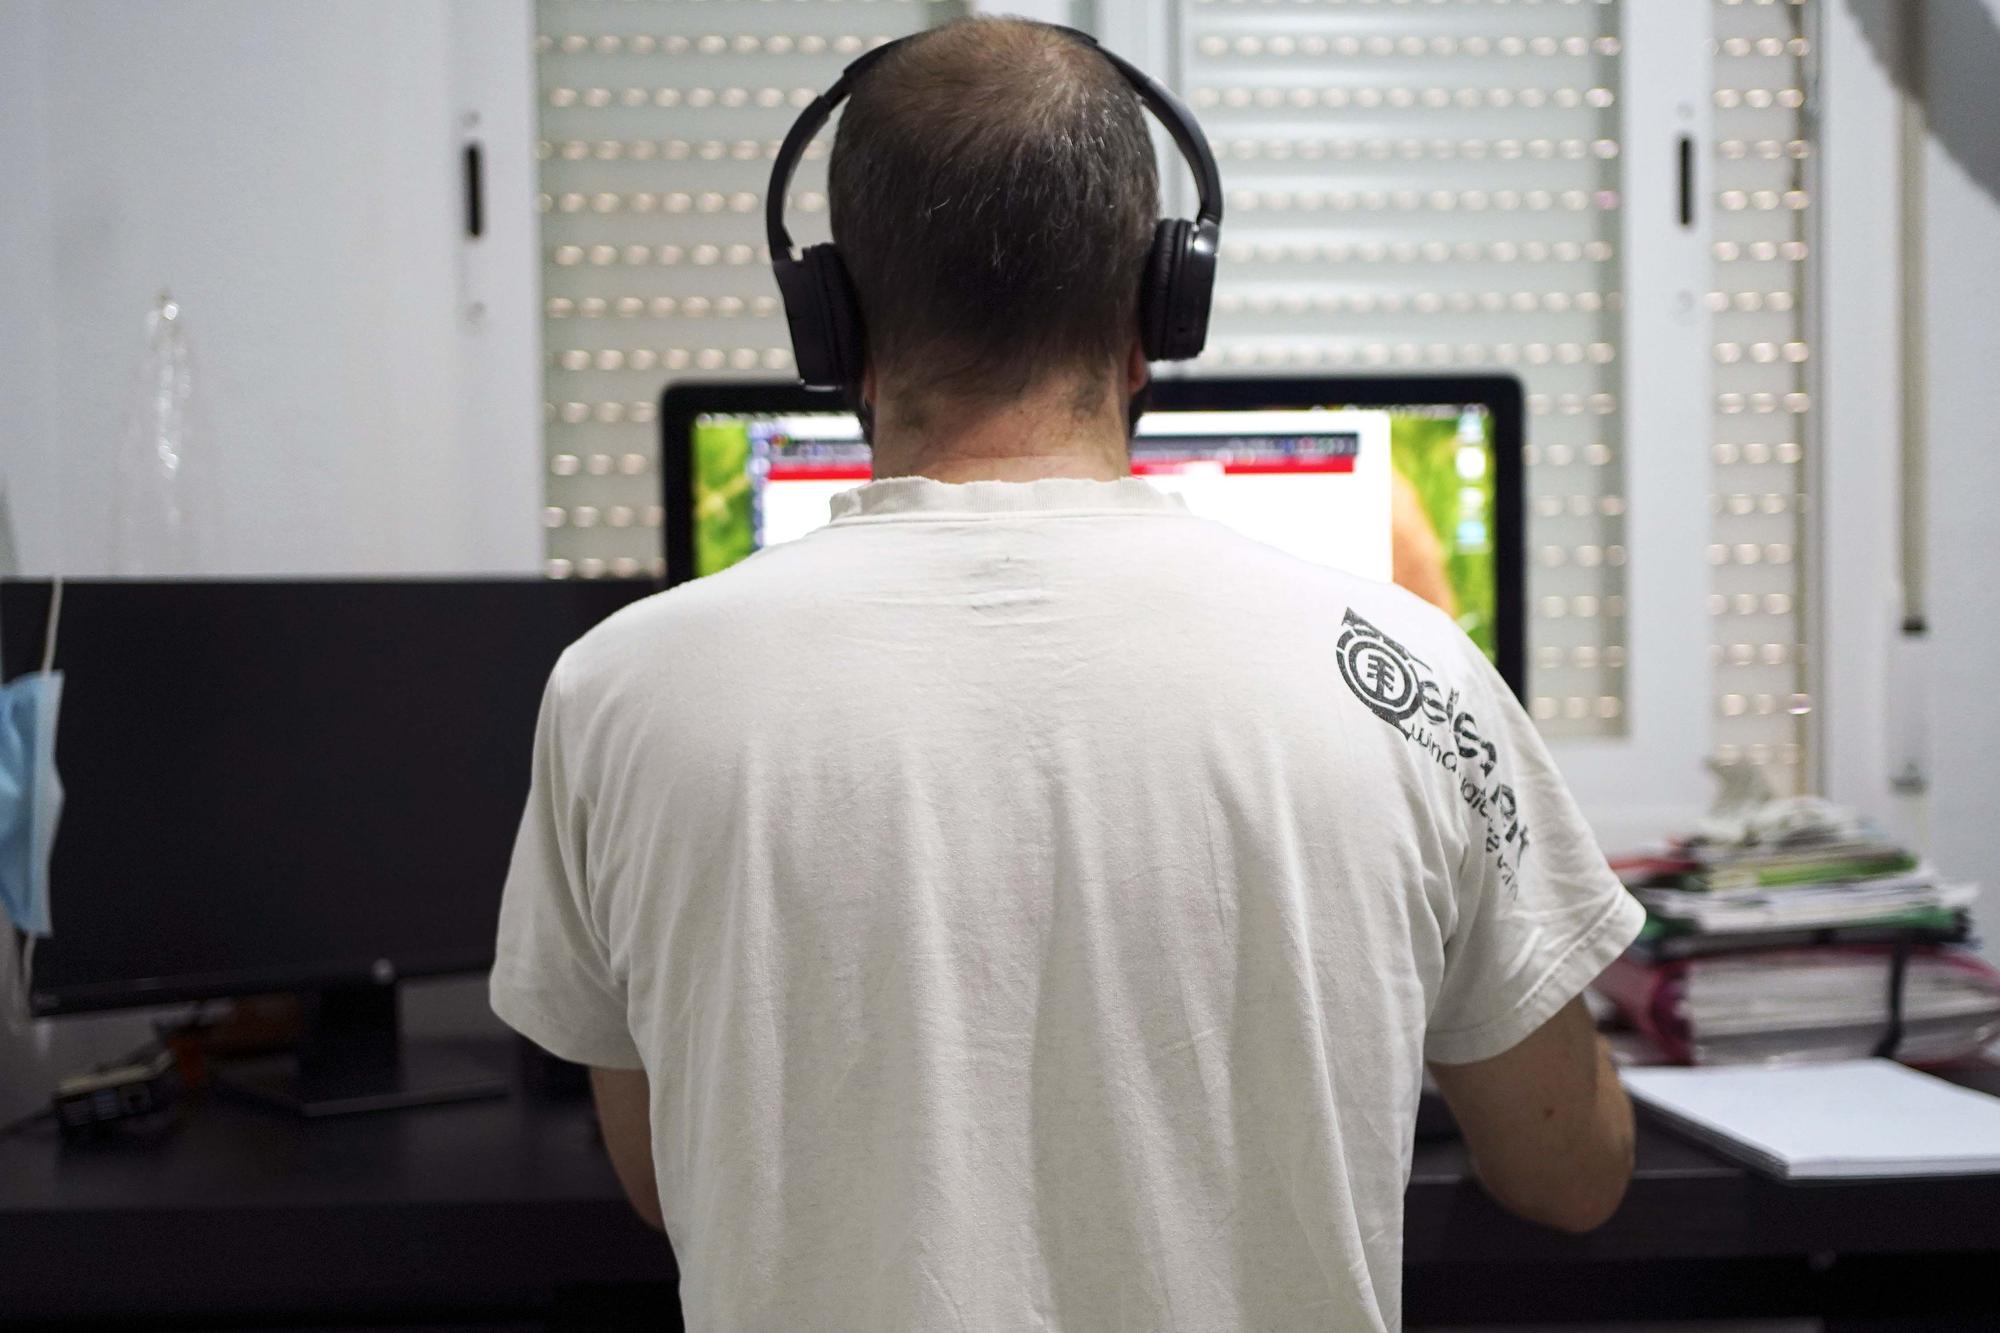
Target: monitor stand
[(351, 1058)]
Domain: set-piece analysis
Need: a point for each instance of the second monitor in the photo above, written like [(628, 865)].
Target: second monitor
[(1410, 478)]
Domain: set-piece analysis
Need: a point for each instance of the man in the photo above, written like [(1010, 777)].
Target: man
[(1022, 904)]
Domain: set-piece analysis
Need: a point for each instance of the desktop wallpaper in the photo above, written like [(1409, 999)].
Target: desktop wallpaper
[(1433, 456), (1445, 509), (724, 530)]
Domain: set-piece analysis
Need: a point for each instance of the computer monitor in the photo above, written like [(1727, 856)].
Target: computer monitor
[(281, 785), (1415, 478)]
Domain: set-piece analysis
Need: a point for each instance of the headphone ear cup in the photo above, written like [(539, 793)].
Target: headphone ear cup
[(1194, 290), (846, 338), (827, 343), (1179, 284), (1158, 286)]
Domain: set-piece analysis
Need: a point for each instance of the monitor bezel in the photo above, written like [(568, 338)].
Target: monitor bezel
[(283, 979), (1501, 395)]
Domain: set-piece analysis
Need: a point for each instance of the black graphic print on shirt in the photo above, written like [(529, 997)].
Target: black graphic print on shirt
[(1401, 689)]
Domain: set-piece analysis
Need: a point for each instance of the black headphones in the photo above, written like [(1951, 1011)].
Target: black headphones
[(827, 339)]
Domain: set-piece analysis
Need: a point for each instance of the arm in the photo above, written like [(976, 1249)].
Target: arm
[(624, 1114), (552, 976), (1547, 1123)]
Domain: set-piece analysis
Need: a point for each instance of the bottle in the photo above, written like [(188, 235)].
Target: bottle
[(164, 496)]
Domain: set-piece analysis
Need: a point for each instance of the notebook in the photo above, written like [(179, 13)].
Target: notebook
[(1844, 1120)]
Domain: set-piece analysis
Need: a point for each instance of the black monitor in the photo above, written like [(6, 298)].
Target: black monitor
[(284, 785), (1415, 477)]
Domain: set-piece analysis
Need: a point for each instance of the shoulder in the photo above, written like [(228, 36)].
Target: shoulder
[(1356, 610), (1383, 624), (1410, 665), (1397, 656), (657, 632)]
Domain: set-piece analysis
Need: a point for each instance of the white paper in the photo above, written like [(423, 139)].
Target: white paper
[(1846, 1119)]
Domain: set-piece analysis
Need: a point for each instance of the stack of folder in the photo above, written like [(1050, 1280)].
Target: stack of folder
[(1800, 933)]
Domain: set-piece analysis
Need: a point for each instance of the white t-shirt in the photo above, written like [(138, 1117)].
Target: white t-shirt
[(1032, 906)]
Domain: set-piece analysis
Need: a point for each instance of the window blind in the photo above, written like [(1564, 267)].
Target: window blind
[(1765, 155)]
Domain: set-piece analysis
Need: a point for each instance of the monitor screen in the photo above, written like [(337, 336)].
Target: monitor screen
[(1404, 491), (276, 785)]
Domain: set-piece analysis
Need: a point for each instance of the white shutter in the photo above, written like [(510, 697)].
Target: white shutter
[(1765, 154), (658, 125), (1429, 186)]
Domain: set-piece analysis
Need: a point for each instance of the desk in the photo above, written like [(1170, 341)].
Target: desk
[(502, 1210)]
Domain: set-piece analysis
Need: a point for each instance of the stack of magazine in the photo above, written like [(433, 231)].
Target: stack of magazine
[(1799, 932)]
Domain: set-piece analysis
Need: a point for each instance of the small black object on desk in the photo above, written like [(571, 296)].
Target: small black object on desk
[(351, 1058)]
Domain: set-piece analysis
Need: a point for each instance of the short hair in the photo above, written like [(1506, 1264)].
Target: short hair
[(994, 194)]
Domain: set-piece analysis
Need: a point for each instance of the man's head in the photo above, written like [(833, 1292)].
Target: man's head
[(994, 197)]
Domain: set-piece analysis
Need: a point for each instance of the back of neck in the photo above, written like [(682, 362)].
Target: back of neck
[(1041, 434)]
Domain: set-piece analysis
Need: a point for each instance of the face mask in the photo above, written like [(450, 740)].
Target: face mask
[(30, 792), (30, 797)]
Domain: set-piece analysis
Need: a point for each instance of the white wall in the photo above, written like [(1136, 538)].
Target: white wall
[(29, 478), (289, 169), (1962, 252)]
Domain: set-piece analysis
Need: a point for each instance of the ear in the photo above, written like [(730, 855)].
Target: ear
[(1137, 371)]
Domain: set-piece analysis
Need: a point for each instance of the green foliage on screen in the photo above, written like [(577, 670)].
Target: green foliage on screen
[(1425, 452), (723, 532)]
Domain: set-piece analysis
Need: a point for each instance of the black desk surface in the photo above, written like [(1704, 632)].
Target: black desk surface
[(495, 1206)]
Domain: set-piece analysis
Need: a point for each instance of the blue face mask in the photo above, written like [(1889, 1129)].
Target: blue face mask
[(30, 797)]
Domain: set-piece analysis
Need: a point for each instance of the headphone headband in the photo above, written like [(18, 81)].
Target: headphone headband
[(824, 315), (1166, 108), (1180, 123), (803, 129)]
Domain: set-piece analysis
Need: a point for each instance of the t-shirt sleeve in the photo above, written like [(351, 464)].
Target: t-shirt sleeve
[(1539, 912), (552, 978)]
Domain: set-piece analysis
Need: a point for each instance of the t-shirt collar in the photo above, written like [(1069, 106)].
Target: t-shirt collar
[(922, 495)]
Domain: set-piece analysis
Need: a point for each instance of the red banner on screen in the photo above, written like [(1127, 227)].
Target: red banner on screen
[(1146, 467), (832, 472), (1143, 467)]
